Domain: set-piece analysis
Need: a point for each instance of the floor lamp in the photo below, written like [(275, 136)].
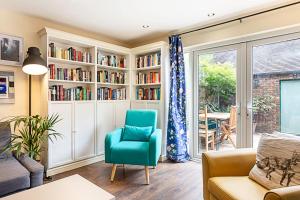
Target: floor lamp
[(33, 65)]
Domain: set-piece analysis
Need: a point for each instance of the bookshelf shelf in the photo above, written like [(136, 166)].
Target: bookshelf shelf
[(111, 68), (112, 84), (67, 81), (148, 84), (70, 62), (157, 67)]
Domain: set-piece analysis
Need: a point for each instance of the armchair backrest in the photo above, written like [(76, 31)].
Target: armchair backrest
[(141, 118)]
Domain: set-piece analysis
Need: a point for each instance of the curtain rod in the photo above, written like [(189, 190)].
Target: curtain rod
[(241, 18)]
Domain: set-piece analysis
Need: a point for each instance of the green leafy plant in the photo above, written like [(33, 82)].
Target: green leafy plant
[(218, 84), (262, 105), (30, 132)]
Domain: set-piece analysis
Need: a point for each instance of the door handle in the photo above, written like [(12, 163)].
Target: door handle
[(249, 108)]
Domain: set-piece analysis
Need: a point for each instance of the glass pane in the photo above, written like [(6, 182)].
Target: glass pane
[(217, 101), (275, 88)]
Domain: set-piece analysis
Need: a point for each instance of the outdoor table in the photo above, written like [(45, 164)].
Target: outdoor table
[(218, 117)]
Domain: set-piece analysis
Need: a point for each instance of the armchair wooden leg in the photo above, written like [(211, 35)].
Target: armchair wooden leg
[(113, 172), (147, 175)]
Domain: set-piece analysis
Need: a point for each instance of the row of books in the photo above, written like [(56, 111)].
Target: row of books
[(111, 60), (104, 76), (144, 78), (104, 93), (148, 93), (59, 93), (69, 54), (75, 74), (148, 60)]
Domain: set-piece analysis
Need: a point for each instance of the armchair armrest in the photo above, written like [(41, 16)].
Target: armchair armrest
[(286, 193), (35, 168), (238, 162), (111, 139), (155, 147)]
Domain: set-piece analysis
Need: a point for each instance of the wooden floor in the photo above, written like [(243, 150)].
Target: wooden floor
[(168, 181)]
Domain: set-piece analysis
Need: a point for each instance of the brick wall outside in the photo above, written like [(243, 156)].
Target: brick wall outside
[(269, 84)]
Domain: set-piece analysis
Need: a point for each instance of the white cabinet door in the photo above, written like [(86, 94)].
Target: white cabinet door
[(120, 111), (60, 151), (84, 124), (105, 123), (138, 105), (155, 106)]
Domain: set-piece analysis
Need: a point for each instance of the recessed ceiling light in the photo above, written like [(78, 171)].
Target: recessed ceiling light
[(145, 26), (211, 14)]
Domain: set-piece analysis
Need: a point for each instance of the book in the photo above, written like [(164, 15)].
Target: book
[(111, 60), (74, 74), (59, 93), (149, 60), (148, 93), (69, 54), (146, 78), (105, 76), (105, 93)]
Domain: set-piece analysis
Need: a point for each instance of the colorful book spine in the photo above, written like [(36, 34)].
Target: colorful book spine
[(105, 93), (149, 60), (59, 93), (69, 54), (148, 93), (104, 76), (147, 78), (111, 60), (77, 74)]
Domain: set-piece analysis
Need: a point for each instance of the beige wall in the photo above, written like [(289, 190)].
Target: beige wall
[(283, 17), (27, 26), (17, 24)]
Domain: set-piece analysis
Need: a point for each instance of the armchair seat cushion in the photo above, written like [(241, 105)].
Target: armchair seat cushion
[(13, 176), (130, 152), (235, 187)]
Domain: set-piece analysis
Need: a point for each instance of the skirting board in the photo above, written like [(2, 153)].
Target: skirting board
[(162, 158), (75, 165)]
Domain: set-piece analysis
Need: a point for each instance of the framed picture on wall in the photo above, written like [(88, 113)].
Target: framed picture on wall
[(7, 87), (11, 50)]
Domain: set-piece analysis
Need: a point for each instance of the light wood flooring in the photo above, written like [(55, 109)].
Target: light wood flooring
[(167, 182)]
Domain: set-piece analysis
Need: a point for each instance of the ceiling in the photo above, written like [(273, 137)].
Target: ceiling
[(123, 19)]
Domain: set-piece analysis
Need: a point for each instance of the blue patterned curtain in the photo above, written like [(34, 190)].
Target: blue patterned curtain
[(176, 134)]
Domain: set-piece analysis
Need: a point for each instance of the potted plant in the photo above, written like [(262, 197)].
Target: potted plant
[(30, 132), (262, 105)]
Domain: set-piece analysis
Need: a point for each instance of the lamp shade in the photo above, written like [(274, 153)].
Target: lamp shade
[(33, 63)]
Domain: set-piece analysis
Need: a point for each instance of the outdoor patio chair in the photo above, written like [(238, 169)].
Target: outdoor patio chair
[(229, 127), (207, 129)]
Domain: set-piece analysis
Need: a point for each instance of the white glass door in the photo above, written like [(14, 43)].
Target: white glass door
[(273, 87), (217, 98)]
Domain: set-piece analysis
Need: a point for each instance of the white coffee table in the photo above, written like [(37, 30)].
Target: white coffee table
[(71, 188)]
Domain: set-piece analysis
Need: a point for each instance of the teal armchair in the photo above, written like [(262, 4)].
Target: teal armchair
[(138, 149)]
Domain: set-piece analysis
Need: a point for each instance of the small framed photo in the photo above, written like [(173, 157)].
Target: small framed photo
[(4, 87), (11, 50)]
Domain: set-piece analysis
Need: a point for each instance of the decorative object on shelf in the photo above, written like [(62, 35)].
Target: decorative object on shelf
[(11, 50), (7, 87), (30, 132), (176, 133), (33, 65)]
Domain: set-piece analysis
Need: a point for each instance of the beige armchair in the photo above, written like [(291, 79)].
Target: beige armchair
[(225, 177)]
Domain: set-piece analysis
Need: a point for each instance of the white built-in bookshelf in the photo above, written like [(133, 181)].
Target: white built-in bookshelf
[(91, 84)]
